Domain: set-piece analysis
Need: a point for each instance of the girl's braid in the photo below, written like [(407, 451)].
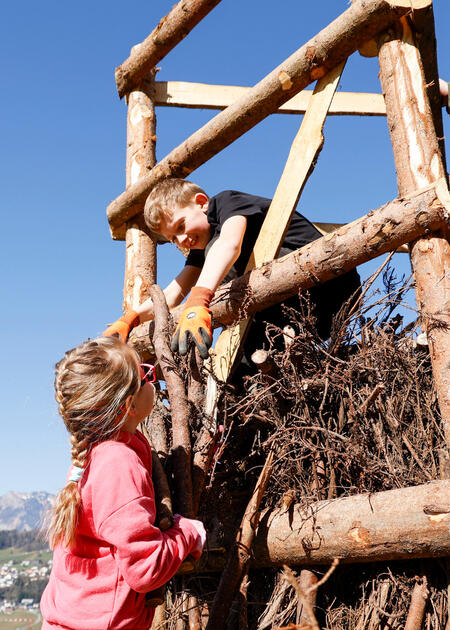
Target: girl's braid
[(79, 450)]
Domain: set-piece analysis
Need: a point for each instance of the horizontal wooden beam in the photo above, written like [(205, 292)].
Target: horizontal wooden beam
[(169, 32), (207, 96), (313, 60), (405, 523), (399, 221)]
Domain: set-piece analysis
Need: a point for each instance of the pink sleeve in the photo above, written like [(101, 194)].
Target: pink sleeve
[(147, 557)]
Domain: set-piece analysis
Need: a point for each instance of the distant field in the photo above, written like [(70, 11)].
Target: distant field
[(17, 556), (31, 620)]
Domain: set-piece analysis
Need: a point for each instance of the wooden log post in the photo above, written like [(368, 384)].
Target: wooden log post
[(419, 163), (306, 580), (312, 61), (170, 31), (376, 233), (416, 612), (140, 261), (181, 438), (426, 41)]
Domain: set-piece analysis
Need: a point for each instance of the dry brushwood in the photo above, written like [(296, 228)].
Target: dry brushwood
[(372, 420)]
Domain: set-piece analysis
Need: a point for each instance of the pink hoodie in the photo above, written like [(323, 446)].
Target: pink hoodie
[(119, 554)]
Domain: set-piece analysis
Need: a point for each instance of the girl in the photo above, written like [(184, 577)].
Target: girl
[(107, 552)]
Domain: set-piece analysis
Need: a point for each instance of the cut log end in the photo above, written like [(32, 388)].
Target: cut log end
[(263, 361)]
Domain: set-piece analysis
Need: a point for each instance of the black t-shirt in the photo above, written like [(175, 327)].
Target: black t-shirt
[(230, 203)]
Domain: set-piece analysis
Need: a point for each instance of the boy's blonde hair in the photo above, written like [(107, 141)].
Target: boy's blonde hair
[(164, 196), (92, 383)]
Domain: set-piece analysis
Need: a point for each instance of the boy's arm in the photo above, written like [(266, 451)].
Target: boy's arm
[(223, 253), (174, 292), (195, 321)]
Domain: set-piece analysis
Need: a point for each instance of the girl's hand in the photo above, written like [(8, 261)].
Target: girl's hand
[(197, 552)]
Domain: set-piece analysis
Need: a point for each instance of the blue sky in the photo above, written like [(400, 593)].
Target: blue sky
[(63, 158)]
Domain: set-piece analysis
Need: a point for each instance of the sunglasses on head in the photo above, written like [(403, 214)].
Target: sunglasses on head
[(148, 373)]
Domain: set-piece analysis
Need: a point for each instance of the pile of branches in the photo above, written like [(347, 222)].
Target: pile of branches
[(355, 414)]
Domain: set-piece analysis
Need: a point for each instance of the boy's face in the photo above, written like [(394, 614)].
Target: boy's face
[(188, 226)]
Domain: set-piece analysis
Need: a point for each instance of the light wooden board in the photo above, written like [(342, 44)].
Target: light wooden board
[(300, 163), (207, 96)]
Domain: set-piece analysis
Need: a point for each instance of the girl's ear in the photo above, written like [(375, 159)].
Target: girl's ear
[(129, 405)]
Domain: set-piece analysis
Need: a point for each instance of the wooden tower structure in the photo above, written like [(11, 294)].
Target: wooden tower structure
[(401, 33)]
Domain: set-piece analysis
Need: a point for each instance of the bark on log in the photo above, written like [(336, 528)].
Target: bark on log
[(203, 455), (162, 494), (196, 390), (312, 61), (416, 611), (163, 502), (390, 525), (156, 427), (170, 31), (181, 439), (306, 580), (140, 260), (419, 163), (159, 620), (380, 231)]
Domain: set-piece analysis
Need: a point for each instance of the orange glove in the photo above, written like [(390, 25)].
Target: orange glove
[(123, 325), (195, 323)]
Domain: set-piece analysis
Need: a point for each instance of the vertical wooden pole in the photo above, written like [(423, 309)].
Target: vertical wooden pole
[(140, 261), (426, 41), (418, 163)]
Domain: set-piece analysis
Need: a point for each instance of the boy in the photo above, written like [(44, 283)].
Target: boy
[(220, 233)]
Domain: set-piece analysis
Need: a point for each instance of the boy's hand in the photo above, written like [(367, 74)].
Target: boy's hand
[(195, 323), (123, 325)]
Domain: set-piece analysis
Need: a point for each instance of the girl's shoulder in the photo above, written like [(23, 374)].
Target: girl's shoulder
[(119, 471), (126, 448)]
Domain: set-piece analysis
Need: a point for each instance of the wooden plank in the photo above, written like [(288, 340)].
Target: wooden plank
[(207, 96), (300, 163)]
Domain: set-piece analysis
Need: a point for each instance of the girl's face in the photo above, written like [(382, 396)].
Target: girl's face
[(140, 405)]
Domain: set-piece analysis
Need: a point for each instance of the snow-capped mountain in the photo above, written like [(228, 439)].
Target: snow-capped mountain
[(24, 510)]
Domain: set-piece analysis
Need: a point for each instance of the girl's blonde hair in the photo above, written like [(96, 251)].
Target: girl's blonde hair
[(165, 195), (92, 383)]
